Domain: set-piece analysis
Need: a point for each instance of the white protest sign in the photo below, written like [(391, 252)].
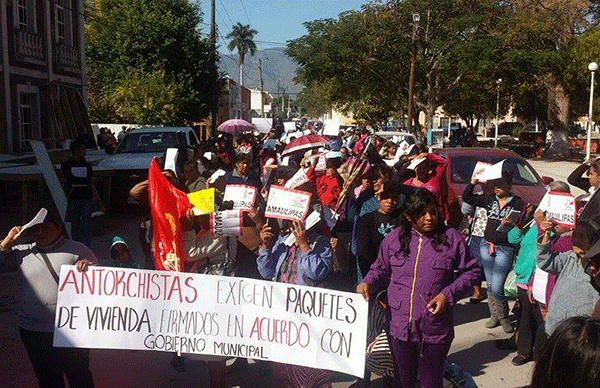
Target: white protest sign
[(492, 172), (243, 196), (479, 170), (287, 204), (38, 219), (119, 308), (298, 179), (561, 208), (171, 159), (226, 223)]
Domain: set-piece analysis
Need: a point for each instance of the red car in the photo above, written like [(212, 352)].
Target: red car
[(527, 184)]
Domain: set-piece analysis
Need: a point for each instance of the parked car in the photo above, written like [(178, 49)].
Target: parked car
[(397, 137), (135, 152), (527, 184)]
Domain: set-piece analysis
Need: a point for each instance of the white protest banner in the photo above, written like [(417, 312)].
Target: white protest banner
[(561, 208), (298, 179), (119, 308), (492, 172), (287, 204), (243, 196), (226, 223), (479, 169)]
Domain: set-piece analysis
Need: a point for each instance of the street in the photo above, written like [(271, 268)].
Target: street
[(473, 348)]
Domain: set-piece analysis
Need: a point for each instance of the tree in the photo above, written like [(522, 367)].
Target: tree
[(541, 33), (365, 55), (152, 47), (242, 39), (311, 101)]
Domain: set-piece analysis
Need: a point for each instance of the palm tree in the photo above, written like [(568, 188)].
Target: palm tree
[(242, 38)]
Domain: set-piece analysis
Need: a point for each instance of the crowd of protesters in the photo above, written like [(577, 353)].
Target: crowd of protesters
[(383, 227)]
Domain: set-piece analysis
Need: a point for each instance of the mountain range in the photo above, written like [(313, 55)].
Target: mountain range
[(276, 68)]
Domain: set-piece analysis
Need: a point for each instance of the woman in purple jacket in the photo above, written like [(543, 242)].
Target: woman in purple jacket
[(416, 262)]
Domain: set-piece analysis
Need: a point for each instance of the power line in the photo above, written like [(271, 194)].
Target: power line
[(244, 8), (227, 13)]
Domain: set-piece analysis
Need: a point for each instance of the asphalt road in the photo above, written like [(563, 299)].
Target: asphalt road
[(473, 348)]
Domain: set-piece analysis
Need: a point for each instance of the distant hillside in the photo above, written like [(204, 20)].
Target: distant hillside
[(275, 66)]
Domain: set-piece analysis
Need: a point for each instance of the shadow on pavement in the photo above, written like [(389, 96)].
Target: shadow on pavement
[(477, 357), (468, 312)]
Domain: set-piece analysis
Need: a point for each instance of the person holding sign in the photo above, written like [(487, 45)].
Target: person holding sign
[(416, 263), (495, 249), (573, 294), (306, 262), (39, 264)]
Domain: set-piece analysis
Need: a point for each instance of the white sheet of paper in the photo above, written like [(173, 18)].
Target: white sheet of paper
[(543, 206), (171, 159), (540, 282), (79, 172), (415, 163), (38, 219), (492, 172), (479, 170), (216, 175), (309, 222)]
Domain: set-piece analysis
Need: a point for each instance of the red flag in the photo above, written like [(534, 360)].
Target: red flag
[(167, 206)]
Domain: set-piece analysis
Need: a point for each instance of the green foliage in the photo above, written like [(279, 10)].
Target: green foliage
[(311, 101), (360, 61), (154, 47), (242, 39)]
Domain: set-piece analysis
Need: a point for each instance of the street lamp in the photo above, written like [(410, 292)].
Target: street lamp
[(411, 79), (593, 66), (498, 82)]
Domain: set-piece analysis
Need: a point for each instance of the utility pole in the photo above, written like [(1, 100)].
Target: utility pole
[(262, 98), (279, 97), (213, 42), (411, 79)]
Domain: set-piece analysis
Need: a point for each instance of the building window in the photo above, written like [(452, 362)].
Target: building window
[(60, 24), (22, 14), (28, 114)]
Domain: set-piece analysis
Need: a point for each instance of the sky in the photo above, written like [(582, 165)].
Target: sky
[(276, 21)]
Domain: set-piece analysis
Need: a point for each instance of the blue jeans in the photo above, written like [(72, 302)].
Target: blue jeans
[(80, 216), (496, 267)]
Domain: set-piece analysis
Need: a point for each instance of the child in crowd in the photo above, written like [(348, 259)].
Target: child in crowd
[(120, 256)]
